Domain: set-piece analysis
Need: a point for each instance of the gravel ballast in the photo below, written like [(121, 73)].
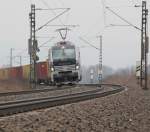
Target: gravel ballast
[(128, 111)]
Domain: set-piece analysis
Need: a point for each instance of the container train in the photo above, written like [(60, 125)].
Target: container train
[(62, 66), (21, 73)]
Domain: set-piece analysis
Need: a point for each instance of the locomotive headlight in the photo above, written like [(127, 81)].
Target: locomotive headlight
[(77, 67), (52, 69)]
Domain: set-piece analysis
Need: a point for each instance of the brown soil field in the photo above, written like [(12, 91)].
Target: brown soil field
[(128, 111), (12, 86)]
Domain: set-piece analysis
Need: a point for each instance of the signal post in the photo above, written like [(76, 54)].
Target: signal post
[(33, 48)]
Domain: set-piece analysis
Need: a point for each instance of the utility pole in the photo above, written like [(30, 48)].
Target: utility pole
[(33, 48), (144, 46), (11, 57), (100, 76)]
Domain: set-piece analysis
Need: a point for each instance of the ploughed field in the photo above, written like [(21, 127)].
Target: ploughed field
[(13, 86), (128, 111)]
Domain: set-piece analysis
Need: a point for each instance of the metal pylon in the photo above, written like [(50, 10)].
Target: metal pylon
[(100, 74), (144, 46), (32, 50)]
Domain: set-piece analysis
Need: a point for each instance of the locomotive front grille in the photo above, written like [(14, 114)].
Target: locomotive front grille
[(64, 68)]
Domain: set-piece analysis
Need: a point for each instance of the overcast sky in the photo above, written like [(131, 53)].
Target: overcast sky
[(121, 45)]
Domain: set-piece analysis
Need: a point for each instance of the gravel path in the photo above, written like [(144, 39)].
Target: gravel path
[(128, 111)]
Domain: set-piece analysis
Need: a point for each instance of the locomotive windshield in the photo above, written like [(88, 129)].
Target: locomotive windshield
[(64, 56)]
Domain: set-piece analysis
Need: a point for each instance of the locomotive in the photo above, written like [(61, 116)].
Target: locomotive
[(64, 59)]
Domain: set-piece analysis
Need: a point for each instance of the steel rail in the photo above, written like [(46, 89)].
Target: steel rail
[(32, 91), (34, 104), (45, 90), (42, 90)]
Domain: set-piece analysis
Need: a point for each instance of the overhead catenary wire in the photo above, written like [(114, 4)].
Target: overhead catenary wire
[(118, 25), (50, 9), (104, 12), (57, 16), (47, 5), (85, 41), (63, 5), (42, 37), (68, 14), (123, 19), (46, 42), (125, 6), (63, 25)]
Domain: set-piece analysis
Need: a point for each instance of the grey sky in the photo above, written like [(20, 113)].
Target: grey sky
[(121, 45)]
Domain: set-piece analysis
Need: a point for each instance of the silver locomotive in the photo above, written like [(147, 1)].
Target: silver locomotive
[(64, 59)]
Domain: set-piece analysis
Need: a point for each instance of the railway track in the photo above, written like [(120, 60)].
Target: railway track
[(43, 92), (14, 107), (39, 90), (43, 89)]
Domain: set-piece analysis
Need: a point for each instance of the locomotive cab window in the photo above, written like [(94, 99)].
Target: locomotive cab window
[(61, 54)]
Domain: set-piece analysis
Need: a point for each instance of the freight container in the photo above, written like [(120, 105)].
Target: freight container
[(16, 73), (23, 73), (26, 72), (19, 73), (42, 72), (1, 74), (4, 74)]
